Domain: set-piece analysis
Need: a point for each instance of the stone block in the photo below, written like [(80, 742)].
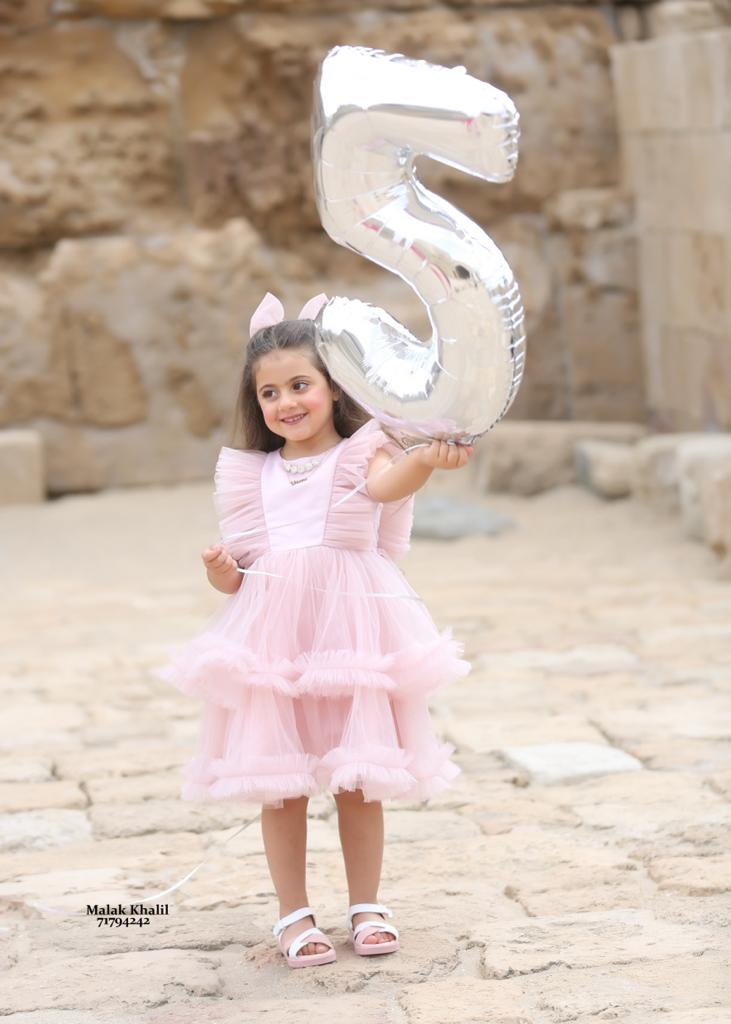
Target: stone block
[(466, 998), (625, 61), (25, 14), (692, 876), (652, 253), (88, 133), (26, 769), (655, 470), (661, 96), (718, 388), (631, 23), (586, 940), (672, 84), (652, 335), (146, 336), (696, 277), (697, 459), (22, 467), (33, 796), (665, 182), (715, 502), (605, 260), (587, 209), (556, 872), (706, 69), (41, 829), (692, 394), (632, 156), (639, 820), (676, 18), (532, 456), (691, 378), (601, 332), (605, 467), (66, 983), (689, 718), (682, 185), (702, 202), (564, 762), (487, 735), (27, 388), (678, 989)]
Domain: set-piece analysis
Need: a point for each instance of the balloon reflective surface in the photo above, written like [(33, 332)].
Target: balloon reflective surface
[(374, 113)]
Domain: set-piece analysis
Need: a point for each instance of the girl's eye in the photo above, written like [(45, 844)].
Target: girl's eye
[(267, 393)]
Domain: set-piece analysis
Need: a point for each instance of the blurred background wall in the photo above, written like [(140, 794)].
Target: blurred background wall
[(155, 181)]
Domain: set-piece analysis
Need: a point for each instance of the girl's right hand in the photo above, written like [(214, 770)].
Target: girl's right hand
[(440, 455), (217, 560)]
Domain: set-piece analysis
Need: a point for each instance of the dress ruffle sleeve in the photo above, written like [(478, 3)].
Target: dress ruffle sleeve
[(394, 528), (238, 503), (397, 518), (357, 452)]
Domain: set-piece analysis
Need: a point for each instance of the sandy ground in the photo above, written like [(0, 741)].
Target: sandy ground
[(542, 886)]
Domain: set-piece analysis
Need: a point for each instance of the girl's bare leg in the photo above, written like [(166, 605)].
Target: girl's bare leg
[(361, 836), (284, 830)]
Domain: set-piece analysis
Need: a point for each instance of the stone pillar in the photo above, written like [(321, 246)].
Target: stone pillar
[(674, 112)]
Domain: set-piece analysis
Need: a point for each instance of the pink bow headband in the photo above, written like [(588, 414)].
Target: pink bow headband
[(271, 311)]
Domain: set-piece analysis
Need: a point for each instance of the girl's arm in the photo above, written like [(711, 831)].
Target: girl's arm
[(412, 471), (221, 569)]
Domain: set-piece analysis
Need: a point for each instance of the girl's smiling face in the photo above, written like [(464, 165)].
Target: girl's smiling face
[(296, 400)]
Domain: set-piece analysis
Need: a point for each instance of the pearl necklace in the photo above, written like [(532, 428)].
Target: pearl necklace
[(300, 466), (305, 463)]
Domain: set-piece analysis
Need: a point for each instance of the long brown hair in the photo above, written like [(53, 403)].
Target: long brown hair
[(249, 431)]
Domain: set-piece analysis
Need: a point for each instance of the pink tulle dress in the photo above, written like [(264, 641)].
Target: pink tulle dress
[(316, 677)]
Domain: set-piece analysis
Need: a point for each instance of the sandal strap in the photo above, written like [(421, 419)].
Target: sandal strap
[(377, 926), (304, 938), (296, 915), (358, 908)]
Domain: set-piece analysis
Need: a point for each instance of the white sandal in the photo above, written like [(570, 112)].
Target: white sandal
[(370, 928), (312, 959)]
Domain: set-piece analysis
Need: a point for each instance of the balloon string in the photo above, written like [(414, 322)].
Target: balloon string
[(63, 912)]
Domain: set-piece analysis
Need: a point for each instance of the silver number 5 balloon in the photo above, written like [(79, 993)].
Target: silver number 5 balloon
[(373, 114)]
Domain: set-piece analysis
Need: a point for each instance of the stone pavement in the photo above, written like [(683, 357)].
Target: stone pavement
[(577, 870)]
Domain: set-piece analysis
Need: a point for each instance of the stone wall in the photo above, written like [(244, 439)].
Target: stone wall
[(674, 105), (156, 180)]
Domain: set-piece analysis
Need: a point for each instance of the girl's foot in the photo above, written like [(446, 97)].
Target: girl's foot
[(371, 916), (293, 930)]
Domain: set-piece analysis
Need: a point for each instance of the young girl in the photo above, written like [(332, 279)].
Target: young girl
[(315, 673)]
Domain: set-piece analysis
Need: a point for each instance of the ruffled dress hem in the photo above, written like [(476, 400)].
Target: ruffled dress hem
[(382, 773), (222, 672)]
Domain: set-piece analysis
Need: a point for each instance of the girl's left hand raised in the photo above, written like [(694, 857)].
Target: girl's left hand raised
[(440, 455)]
